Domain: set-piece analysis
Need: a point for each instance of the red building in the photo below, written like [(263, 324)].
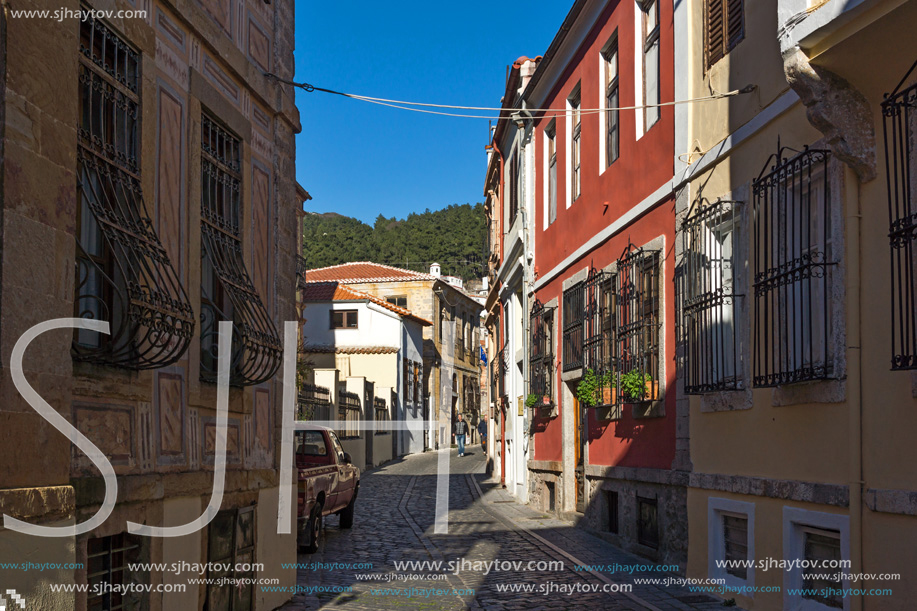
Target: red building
[(601, 328)]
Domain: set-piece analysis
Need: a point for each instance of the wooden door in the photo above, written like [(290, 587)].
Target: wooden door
[(580, 446)]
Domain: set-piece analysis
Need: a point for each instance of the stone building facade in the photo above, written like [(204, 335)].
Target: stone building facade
[(147, 182)]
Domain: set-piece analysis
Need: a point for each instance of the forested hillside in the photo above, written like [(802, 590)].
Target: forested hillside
[(454, 237)]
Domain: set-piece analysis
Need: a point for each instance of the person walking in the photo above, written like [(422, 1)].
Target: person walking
[(482, 429), (461, 428)]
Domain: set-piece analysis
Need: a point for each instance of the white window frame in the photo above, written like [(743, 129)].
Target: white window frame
[(716, 540), (795, 522), (550, 134), (568, 165), (603, 99), (640, 37)]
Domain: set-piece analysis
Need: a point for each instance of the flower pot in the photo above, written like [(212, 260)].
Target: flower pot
[(546, 401), (652, 390), (606, 396)]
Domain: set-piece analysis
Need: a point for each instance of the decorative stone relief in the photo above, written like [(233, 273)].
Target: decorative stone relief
[(837, 109)]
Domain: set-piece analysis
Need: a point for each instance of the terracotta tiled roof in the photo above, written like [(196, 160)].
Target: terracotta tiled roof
[(352, 349), (334, 291), (364, 271)]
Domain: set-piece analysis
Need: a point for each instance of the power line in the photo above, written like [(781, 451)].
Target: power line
[(545, 112)]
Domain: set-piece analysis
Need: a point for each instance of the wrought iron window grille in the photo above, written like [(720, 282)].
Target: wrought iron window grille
[(541, 353), (574, 307), (600, 345), (301, 267), (123, 273), (709, 297), (637, 325), (108, 560), (314, 403), (793, 257), (899, 110), (227, 292)]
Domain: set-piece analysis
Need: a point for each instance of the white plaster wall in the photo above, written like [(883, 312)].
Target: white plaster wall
[(376, 326)]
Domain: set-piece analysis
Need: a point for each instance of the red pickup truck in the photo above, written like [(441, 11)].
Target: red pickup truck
[(328, 483)]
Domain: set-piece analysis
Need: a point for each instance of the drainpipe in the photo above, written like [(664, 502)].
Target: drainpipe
[(855, 354), (503, 415)]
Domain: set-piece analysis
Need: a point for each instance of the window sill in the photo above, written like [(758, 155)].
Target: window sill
[(725, 401), (607, 413), (818, 391)]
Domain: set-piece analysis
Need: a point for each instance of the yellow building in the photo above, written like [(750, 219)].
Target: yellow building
[(798, 344)]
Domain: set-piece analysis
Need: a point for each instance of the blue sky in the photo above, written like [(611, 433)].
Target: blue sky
[(360, 159)]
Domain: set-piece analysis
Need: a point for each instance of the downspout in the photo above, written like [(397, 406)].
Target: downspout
[(855, 351), (503, 415)]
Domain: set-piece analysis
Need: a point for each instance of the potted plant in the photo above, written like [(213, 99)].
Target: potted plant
[(638, 386), (531, 400), (595, 390)]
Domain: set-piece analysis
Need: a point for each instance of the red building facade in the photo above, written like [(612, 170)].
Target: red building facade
[(601, 328)]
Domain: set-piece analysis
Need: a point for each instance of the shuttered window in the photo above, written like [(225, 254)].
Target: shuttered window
[(725, 20)]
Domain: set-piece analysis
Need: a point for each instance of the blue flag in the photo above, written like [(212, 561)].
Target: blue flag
[(483, 355)]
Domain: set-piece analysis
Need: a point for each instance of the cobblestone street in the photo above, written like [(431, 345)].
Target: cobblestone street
[(395, 522)]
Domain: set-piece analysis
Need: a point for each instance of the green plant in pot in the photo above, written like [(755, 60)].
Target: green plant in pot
[(595, 390), (531, 400), (637, 386)]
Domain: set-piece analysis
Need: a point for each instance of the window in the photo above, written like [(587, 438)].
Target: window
[(725, 28), (573, 106), (730, 538), (227, 292), (231, 546), (708, 308), (551, 155), (343, 319), (901, 168), (735, 543), (123, 273), (401, 301), (823, 549), (513, 186), (573, 317), (822, 541), (541, 356), (552, 495), (107, 567), (647, 522), (599, 332), (638, 325), (408, 381), (794, 255), (611, 511), (612, 101), (418, 380), (650, 51), (310, 443)]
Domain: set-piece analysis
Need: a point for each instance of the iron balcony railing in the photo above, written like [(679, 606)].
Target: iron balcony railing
[(900, 113), (301, 267)]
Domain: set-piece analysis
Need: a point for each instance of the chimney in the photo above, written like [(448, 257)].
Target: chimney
[(435, 270)]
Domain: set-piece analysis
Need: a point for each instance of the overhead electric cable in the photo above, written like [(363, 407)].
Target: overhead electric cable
[(545, 112)]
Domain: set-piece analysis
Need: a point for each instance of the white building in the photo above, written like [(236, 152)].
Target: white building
[(359, 342)]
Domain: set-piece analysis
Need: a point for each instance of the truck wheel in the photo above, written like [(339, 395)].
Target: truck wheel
[(347, 513), (313, 530)]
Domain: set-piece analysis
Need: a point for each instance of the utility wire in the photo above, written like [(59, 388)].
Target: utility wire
[(545, 112)]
